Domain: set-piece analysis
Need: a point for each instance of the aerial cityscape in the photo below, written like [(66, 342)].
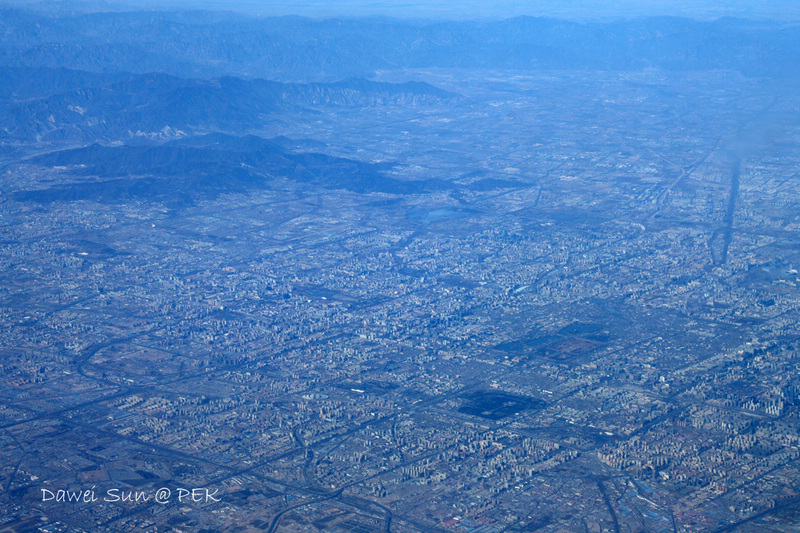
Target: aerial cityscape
[(406, 282)]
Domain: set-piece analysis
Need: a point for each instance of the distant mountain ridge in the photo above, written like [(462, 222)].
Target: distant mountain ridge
[(182, 171), (199, 44), (95, 106)]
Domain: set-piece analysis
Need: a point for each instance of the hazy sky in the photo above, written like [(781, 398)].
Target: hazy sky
[(561, 8), (467, 9)]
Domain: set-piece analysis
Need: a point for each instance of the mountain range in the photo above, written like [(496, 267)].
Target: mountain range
[(214, 44), (60, 104), (184, 170)]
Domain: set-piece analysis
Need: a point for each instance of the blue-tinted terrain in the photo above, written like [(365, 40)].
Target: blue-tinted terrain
[(448, 272)]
